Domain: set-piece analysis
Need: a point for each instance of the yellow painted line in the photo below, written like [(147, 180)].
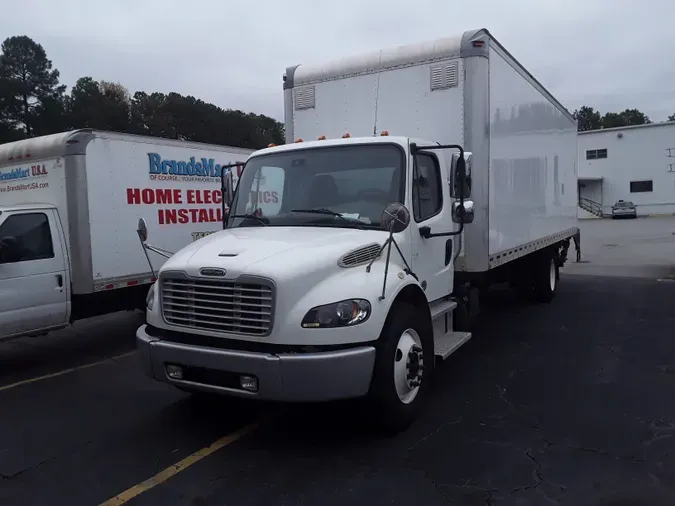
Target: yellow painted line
[(65, 371), (173, 470)]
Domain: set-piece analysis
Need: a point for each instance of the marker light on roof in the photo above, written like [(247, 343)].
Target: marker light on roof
[(346, 136), (299, 139), (271, 145), (384, 133), (321, 138)]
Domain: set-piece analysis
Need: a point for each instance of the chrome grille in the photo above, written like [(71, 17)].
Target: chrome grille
[(219, 306)]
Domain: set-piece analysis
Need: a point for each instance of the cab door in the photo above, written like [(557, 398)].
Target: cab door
[(34, 286), (432, 257)]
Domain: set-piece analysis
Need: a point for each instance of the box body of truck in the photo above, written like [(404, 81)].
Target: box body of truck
[(464, 90), (98, 185)]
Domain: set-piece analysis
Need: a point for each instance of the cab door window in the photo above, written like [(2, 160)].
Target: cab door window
[(25, 237), (427, 189)]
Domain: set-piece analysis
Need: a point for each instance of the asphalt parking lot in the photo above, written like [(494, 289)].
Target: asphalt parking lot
[(568, 403)]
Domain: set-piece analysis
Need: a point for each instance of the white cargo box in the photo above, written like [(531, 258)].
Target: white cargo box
[(464, 90)]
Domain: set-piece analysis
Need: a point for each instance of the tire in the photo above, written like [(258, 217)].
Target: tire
[(393, 401), (545, 278)]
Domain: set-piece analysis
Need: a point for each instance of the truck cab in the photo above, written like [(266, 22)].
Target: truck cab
[(341, 289), (33, 256)]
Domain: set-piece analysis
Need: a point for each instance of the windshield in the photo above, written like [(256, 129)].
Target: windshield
[(341, 186)]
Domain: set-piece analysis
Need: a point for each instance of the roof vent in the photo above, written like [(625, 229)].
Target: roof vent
[(304, 98), (443, 76)]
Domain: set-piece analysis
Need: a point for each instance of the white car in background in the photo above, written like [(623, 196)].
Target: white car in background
[(624, 209)]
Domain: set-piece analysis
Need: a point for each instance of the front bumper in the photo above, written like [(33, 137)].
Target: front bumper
[(297, 377), (629, 212)]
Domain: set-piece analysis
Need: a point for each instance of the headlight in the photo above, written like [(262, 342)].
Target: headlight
[(150, 298), (339, 314)]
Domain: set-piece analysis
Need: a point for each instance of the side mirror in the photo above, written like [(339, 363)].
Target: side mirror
[(457, 179), (142, 230), (463, 213), (9, 250), (395, 218), (228, 188)]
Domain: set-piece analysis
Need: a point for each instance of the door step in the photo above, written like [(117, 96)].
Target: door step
[(442, 307), (447, 344)]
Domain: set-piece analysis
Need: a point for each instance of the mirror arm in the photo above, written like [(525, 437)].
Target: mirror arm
[(426, 232), (223, 174), (414, 149), (159, 251)]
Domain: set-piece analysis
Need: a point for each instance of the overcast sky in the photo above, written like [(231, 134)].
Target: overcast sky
[(610, 54)]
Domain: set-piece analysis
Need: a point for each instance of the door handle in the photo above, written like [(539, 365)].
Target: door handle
[(448, 251), (59, 280)]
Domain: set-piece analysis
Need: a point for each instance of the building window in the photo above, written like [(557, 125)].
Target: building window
[(595, 154), (641, 186)]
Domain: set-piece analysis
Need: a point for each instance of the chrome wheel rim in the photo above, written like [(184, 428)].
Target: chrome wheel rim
[(408, 366)]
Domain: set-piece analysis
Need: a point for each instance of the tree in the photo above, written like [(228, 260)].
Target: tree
[(103, 105), (587, 119), (29, 85), (627, 117), (671, 117), (33, 103)]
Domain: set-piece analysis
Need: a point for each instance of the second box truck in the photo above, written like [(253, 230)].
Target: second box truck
[(68, 205)]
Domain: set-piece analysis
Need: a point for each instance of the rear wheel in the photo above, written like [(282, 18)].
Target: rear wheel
[(545, 282), (403, 365)]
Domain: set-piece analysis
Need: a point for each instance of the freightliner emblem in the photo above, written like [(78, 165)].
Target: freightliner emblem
[(212, 271)]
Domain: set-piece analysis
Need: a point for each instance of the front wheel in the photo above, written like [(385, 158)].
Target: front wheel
[(403, 364)]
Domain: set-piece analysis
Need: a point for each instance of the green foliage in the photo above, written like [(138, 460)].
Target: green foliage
[(31, 99), (587, 119), (590, 119), (33, 103)]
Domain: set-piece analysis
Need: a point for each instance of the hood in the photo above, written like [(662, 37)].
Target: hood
[(269, 250)]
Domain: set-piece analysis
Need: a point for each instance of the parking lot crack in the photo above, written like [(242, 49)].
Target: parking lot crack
[(539, 478), (434, 432), (65, 453), (510, 407), (630, 458)]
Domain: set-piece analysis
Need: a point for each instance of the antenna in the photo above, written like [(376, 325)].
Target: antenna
[(377, 93)]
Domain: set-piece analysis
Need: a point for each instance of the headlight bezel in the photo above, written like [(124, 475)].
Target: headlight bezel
[(150, 297), (336, 314)]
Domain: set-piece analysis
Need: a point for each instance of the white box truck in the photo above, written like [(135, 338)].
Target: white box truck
[(411, 179), (68, 205)]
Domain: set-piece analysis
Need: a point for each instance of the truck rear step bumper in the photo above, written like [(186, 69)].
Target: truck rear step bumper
[(306, 377)]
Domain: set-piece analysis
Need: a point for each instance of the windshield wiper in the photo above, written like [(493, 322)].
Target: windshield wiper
[(323, 210), (251, 216)]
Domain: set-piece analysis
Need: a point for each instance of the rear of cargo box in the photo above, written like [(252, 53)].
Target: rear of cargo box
[(173, 185), (533, 162)]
